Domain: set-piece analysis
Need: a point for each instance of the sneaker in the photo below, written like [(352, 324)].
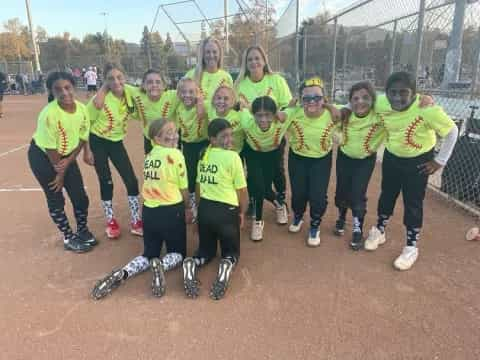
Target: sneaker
[(109, 283), (313, 237), (296, 225), (158, 279), (407, 258), (190, 282), (136, 228), (87, 237), (339, 227), (356, 243), (375, 238), (75, 245), (257, 230), (113, 229), (282, 214), (220, 285)]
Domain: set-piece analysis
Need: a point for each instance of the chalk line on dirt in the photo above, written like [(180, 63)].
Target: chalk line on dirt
[(13, 150)]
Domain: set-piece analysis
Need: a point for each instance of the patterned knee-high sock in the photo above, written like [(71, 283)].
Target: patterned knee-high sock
[(60, 219), (413, 235), (171, 260), (136, 266), (108, 209), (357, 224), (134, 206), (81, 217), (382, 222)]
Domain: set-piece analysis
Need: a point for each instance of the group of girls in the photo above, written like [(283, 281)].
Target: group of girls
[(221, 126)]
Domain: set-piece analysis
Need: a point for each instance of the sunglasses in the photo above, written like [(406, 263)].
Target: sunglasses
[(311, 98)]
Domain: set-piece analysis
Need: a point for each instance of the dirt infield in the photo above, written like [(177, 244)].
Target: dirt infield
[(286, 301)]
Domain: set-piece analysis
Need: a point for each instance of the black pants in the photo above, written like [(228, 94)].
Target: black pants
[(279, 179), (147, 145), (309, 178), (218, 221), (191, 151), (103, 150), (164, 224), (261, 168), (402, 174), (45, 173), (353, 177)]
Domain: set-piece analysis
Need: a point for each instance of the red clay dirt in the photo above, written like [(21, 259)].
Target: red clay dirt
[(286, 301)]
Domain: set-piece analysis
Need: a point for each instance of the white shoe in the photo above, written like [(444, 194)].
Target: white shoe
[(407, 258), (313, 238), (282, 214), (295, 226), (375, 238), (257, 231)]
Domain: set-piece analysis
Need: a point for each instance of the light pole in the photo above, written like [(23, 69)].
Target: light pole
[(34, 41), (107, 47)]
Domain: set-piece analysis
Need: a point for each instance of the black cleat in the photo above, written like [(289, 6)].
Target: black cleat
[(339, 227), (109, 283), (357, 239), (220, 285), (75, 245), (190, 282), (87, 237), (158, 280)]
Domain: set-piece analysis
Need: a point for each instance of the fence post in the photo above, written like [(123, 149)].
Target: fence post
[(334, 57), (345, 58), (297, 46), (475, 79), (305, 51), (419, 43), (392, 49), (453, 58)]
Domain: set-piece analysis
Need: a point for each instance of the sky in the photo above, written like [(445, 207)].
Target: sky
[(126, 21)]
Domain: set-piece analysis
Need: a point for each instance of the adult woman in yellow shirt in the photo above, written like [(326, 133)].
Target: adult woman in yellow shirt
[(108, 128), (164, 213), (62, 131), (222, 197), (209, 73), (408, 160)]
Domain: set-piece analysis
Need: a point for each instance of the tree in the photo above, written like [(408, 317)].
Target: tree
[(168, 44), (14, 42)]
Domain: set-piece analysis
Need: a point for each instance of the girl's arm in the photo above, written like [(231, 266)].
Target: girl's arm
[(62, 165), (201, 112), (336, 113), (243, 204), (99, 99), (443, 155), (188, 210), (281, 116)]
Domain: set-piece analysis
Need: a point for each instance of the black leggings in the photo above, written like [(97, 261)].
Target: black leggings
[(402, 174), (218, 221), (45, 173), (103, 150), (164, 224), (309, 178), (192, 155), (279, 179), (261, 168), (353, 177)]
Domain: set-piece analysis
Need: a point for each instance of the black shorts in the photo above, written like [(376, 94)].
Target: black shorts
[(91, 87)]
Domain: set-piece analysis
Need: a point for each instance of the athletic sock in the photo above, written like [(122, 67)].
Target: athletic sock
[(357, 224), (134, 206), (382, 223), (108, 209), (171, 260), (413, 235), (60, 219), (81, 216), (136, 266)]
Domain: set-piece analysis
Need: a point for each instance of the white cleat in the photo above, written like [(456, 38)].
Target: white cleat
[(282, 214), (257, 230), (375, 238), (313, 238), (407, 258), (295, 226)]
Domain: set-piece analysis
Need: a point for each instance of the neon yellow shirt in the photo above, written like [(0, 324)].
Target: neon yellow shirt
[(111, 121), (362, 136), (263, 141), (273, 85), (310, 137), (220, 175), (147, 110), (61, 131), (192, 128), (234, 118), (211, 81), (412, 132), (164, 175)]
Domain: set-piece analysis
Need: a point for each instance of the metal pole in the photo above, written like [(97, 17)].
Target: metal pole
[(334, 57), (418, 49), (176, 25), (345, 58), (392, 49), (453, 58), (225, 13), (297, 46), (305, 51), (34, 41), (476, 66)]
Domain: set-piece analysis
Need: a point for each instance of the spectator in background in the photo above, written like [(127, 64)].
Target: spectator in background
[(91, 80), (3, 86)]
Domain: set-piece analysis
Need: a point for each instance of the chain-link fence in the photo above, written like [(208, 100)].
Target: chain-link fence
[(439, 40)]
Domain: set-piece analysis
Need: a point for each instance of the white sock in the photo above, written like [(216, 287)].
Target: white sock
[(136, 266), (108, 209), (134, 206)]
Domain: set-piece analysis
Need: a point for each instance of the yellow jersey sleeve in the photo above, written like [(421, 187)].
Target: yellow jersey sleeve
[(438, 120), (46, 133)]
